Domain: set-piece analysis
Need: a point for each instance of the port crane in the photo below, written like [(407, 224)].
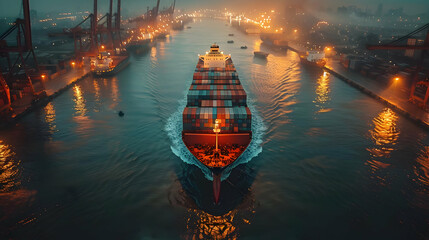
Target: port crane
[(86, 41), (151, 15), (421, 85), (20, 57)]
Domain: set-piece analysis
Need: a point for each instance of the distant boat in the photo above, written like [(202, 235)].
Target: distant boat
[(260, 54), (230, 41), (231, 34), (243, 47), (188, 27)]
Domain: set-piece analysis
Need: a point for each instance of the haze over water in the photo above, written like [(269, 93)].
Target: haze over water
[(332, 162)]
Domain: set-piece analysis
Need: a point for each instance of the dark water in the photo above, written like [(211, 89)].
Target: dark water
[(327, 162)]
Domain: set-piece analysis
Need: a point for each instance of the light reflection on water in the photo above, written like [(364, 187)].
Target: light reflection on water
[(50, 118), (421, 169), (9, 168), (115, 92), (202, 225), (322, 92), (97, 90), (385, 133), (79, 100)]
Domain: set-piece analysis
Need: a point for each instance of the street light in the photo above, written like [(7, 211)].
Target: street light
[(216, 129)]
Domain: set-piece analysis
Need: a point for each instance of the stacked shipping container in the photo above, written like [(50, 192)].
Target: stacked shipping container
[(216, 93)]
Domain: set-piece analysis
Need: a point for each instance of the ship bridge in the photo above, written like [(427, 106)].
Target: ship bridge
[(214, 58)]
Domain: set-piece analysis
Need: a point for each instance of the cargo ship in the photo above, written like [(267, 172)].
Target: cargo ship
[(107, 65), (140, 45), (313, 59), (216, 119)]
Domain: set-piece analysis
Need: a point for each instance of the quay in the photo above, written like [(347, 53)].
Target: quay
[(53, 87), (394, 97)]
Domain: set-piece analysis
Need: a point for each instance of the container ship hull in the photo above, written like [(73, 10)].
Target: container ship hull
[(216, 119)]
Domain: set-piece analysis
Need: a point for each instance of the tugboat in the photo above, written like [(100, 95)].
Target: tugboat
[(243, 47), (313, 59), (260, 54), (230, 41), (216, 119), (107, 65)]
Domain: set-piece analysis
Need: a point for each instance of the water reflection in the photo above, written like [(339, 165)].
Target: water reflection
[(79, 101), (257, 45), (153, 52), (385, 133), (422, 169), (202, 225), (204, 219), (9, 168), (115, 92), (50, 118), (97, 90), (322, 92)]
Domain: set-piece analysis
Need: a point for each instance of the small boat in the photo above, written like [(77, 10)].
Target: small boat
[(230, 41), (313, 59), (243, 47), (107, 65), (188, 27), (260, 54), (231, 34)]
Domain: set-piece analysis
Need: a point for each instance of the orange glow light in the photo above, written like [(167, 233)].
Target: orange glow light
[(397, 78), (43, 76), (295, 31)]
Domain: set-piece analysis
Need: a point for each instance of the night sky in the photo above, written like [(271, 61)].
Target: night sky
[(12, 8)]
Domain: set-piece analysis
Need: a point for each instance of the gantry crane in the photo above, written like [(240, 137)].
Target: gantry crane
[(394, 45), (20, 57), (86, 41)]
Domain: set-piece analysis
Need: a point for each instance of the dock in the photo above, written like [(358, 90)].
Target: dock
[(396, 98), (53, 87)]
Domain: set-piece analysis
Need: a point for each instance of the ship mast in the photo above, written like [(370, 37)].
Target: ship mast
[(216, 129)]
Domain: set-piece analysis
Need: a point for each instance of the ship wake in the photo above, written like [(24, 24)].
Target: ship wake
[(174, 127)]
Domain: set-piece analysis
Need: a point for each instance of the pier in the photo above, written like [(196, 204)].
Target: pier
[(394, 98)]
